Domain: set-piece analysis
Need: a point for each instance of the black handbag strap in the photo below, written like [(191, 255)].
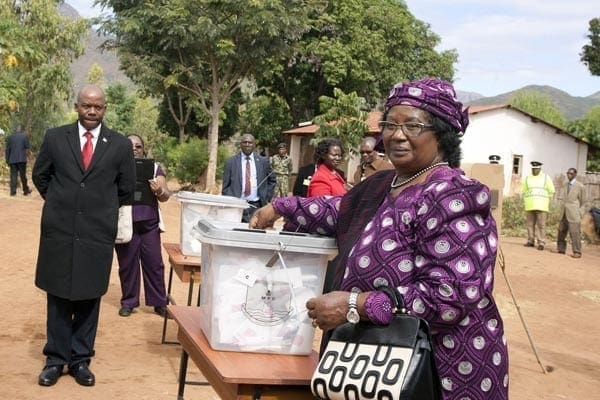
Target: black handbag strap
[(396, 298)]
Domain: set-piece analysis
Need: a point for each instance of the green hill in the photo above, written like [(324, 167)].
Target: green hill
[(570, 107)]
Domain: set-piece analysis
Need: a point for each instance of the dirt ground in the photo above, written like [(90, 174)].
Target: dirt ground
[(558, 296)]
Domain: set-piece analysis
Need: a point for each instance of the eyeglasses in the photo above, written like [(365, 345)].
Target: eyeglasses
[(96, 107), (367, 152), (412, 129), (138, 146)]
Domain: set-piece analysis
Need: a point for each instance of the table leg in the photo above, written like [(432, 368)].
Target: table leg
[(182, 374), (191, 289), (169, 300)]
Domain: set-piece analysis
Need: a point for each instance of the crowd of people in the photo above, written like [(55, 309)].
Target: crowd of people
[(410, 218)]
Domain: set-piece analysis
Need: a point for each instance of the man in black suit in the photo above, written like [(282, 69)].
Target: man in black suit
[(84, 172), (248, 176), (303, 179), (17, 147)]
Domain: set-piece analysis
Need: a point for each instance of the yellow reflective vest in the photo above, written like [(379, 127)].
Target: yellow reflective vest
[(537, 191)]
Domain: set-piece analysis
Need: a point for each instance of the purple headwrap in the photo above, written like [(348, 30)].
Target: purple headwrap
[(434, 96)]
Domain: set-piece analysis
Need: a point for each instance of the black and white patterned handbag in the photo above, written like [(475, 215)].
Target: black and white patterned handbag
[(383, 362)]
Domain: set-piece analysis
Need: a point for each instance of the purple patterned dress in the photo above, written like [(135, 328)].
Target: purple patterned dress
[(437, 243)]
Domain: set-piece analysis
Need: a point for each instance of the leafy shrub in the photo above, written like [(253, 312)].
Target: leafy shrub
[(514, 220), (188, 161)]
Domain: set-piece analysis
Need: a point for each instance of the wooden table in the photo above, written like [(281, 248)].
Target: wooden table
[(241, 376), (187, 269)]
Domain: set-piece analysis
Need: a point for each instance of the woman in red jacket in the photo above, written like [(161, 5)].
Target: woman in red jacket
[(327, 179)]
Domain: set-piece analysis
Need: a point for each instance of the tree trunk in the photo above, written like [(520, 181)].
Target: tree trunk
[(181, 132), (213, 144)]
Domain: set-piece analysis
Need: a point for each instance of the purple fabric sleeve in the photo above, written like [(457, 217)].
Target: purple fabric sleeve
[(310, 214), (378, 307)]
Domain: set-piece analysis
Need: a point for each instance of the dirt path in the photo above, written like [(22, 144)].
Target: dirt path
[(559, 297)]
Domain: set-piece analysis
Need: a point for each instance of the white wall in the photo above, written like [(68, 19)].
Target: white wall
[(507, 132)]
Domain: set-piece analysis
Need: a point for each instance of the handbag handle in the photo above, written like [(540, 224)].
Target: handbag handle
[(396, 297)]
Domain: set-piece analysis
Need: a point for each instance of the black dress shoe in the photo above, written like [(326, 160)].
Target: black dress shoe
[(82, 374), (125, 311), (27, 192), (529, 244), (161, 310), (50, 375)]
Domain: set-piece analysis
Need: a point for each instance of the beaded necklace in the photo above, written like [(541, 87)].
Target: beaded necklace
[(395, 184)]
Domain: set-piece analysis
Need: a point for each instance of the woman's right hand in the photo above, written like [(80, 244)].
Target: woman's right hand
[(264, 217)]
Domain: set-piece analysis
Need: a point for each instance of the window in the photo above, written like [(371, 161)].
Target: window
[(517, 165)]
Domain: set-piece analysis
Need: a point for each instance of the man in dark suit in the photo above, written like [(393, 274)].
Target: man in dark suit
[(248, 176), (84, 172), (17, 147), (303, 179)]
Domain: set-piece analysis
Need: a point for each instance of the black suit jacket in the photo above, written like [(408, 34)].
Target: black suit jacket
[(232, 177), (17, 145), (79, 217)]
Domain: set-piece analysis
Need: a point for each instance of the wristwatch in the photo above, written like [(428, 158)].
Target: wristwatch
[(352, 315)]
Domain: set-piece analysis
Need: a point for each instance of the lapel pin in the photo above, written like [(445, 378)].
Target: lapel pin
[(104, 140)]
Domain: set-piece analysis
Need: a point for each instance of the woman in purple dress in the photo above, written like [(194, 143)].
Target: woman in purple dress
[(144, 248), (424, 228)]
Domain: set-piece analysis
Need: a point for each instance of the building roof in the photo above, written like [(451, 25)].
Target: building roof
[(309, 129), (375, 116)]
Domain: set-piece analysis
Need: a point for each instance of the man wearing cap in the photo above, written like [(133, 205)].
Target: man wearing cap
[(537, 190), (570, 215), (281, 164)]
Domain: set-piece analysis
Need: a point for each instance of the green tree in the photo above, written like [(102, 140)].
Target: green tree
[(205, 47), (96, 75), (539, 106), (13, 52), (588, 129), (44, 74), (120, 108), (590, 55), (362, 46), (343, 118), (265, 117)]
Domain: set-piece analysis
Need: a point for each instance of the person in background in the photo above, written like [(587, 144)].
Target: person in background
[(326, 180), (84, 172), (371, 161), (424, 228), (570, 215), (303, 178), (17, 149), (537, 190), (281, 164), (144, 249), (247, 175)]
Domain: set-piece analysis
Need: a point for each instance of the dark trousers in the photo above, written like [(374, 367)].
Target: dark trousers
[(71, 327), (144, 249), (20, 169)]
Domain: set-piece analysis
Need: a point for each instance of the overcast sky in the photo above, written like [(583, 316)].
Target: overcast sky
[(503, 45)]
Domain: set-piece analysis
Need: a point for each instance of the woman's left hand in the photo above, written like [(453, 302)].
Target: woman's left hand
[(328, 310)]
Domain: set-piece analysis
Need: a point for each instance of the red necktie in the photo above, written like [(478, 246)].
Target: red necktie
[(247, 183), (88, 150)]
